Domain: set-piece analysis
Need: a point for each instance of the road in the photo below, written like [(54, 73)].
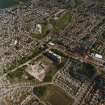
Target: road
[(20, 86), (82, 58)]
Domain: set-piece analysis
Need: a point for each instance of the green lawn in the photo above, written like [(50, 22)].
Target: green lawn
[(20, 75), (58, 25), (40, 91), (78, 2), (53, 95), (62, 22)]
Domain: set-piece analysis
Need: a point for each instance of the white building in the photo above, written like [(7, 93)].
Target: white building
[(98, 56), (38, 28)]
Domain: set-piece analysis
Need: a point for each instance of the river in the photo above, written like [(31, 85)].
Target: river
[(9, 3)]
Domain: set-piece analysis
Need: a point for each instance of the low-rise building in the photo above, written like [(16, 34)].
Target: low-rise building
[(37, 70)]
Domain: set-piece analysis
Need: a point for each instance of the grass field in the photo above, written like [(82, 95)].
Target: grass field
[(54, 95), (61, 22), (20, 75)]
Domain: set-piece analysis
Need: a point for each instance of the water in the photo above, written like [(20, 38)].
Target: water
[(7, 3)]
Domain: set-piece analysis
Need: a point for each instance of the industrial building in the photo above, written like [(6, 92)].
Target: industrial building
[(53, 56)]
